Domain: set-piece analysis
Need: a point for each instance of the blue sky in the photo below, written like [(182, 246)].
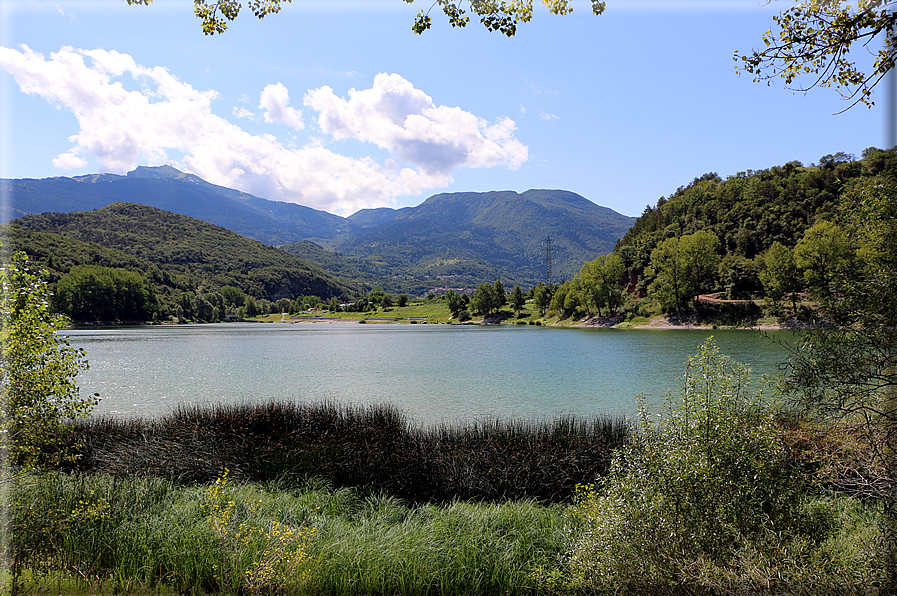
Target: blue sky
[(339, 106)]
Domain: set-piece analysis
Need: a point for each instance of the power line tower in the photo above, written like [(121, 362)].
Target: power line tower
[(548, 260)]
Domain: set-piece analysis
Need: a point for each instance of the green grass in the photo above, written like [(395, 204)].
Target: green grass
[(96, 534), (152, 536)]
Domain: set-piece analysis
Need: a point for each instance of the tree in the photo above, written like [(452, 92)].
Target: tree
[(779, 274), (499, 295), (94, 293), (846, 370), (821, 253), (484, 300), (669, 285), (814, 39), (518, 300), (542, 296), (500, 16), (233, 296), (403, 300), (700, 260), (37, 371), (600, 280), (455, 304)]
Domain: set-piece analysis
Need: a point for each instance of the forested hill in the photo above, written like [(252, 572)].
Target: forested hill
[(178, 253), (490, 235), (751, 210)]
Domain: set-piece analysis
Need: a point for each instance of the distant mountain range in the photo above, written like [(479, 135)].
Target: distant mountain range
[(464, 237)]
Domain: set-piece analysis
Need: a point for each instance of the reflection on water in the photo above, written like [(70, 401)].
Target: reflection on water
[(434, 373)]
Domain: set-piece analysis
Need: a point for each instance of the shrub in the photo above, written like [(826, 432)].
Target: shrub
[(703, 497)]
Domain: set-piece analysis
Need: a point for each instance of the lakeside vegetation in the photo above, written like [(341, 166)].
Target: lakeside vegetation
[(715, 493), (720, 492)]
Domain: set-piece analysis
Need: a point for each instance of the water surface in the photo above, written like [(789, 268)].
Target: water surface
[(435, 373)]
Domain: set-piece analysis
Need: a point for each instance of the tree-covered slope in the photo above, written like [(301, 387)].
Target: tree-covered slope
[(751, 210), (185, 247), (492, 235)]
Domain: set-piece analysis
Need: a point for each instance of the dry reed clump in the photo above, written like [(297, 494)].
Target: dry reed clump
[(359, 446)]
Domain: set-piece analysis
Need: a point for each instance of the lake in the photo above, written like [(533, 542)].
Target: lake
[(435, 373)]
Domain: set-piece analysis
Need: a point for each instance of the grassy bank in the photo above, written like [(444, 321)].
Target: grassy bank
[(328, 499), (372, 447), (95, 533)]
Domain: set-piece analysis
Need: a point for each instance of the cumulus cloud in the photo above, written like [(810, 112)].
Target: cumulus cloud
[(130, 115), (69, 161), (275, 101), (403, 120)]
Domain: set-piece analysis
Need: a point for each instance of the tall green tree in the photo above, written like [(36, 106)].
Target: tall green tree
[(518, 300), (600, 280), (779, 274), (484, 301), (822, 252), (699, 253), (499, 295), (542, 297), (455, 303), (38, 392), (670, 286)]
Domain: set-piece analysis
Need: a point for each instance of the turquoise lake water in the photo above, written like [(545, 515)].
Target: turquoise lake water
[(435, 373)]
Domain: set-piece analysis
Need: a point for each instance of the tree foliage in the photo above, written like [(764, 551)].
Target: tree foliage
[(779, 274), (37, 371), (495, 15), (749, 213), (600, 283), (846, 369), (814, 40), (822, 252), (94, 293), (697, 490)]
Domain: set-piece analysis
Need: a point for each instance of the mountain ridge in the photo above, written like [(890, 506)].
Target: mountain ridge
[(479, 236)]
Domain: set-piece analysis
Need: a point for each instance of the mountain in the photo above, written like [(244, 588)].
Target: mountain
[(491, 235), (474, 237), (166, 188), (191, 254)]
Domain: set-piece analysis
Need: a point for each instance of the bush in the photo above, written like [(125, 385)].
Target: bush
[(704, 498)]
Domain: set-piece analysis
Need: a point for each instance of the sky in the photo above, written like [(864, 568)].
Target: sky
[(337, 105)]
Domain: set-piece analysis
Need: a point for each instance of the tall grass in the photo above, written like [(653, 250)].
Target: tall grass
[(357, 446), (139, 534)]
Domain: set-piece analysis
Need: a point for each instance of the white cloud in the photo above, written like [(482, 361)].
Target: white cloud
[(241, 112), (69, 161), (275, 101), (131, 115), (546, 117), (403, 120)]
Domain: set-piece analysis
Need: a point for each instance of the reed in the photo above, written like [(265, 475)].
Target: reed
[(373, 447)]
